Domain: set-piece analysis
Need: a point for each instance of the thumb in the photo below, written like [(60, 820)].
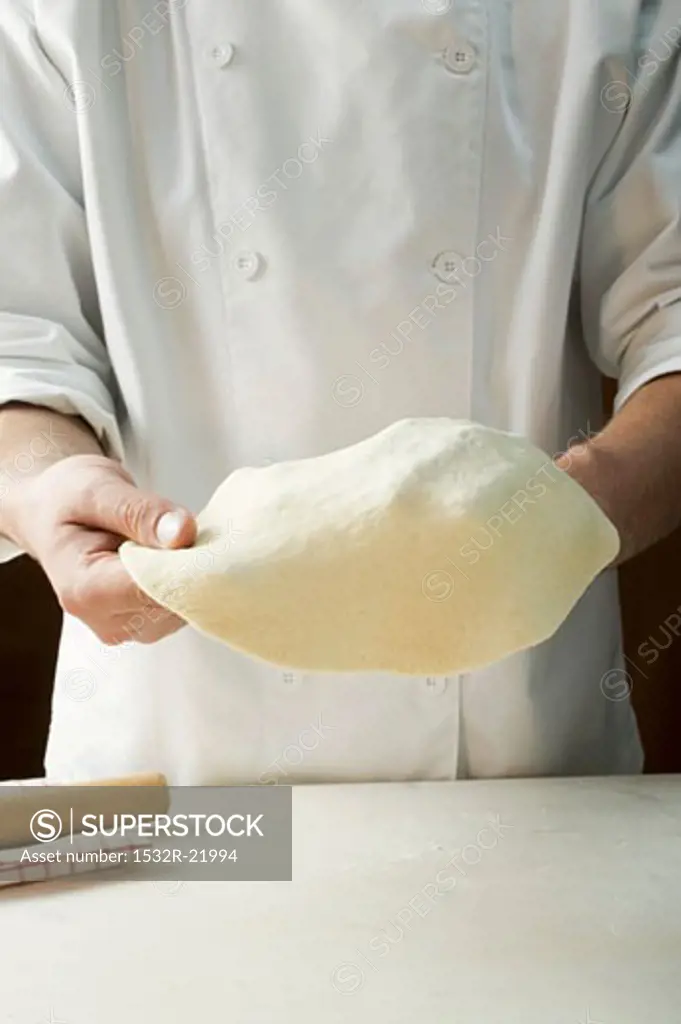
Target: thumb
[(119, 507)]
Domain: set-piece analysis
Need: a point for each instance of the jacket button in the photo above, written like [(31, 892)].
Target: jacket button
[(222, 55), (437, 6), (446, 266), (460, 58), (249, 265)]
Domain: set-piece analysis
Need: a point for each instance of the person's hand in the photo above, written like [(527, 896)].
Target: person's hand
[(72, 518)]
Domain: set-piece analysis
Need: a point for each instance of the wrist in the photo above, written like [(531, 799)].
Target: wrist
[(15, 510)]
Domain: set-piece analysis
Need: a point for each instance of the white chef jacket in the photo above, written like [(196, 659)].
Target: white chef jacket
[(237, 233)]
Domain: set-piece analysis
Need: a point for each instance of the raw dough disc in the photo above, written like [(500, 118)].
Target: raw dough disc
[(433, 547)]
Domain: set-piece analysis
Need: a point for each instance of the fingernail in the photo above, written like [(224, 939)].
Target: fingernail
[(169, 528)]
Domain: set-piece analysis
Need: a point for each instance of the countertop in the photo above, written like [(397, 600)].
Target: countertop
[(502, 902)]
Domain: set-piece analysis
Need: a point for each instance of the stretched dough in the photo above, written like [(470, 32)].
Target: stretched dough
[(435, 546)]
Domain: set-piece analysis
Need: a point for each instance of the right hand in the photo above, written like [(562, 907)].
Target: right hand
[(72, 518)]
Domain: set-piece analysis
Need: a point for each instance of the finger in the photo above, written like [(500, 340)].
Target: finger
[(114, 505), (89, 578), (92, 585), (109, 603), (145, 628)]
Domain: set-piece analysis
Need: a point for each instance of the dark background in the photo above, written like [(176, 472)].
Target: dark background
[(31, 623)]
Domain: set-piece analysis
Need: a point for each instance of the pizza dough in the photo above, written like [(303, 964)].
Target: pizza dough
[(433, 547)]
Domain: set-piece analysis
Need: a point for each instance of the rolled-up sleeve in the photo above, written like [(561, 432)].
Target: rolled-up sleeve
[(630, 267), (51, 348)]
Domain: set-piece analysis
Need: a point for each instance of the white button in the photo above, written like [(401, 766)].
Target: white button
[(249, 264), (290, 678), (460, 58), (436, 685), (222, 55), (437, 6), (446, 265)]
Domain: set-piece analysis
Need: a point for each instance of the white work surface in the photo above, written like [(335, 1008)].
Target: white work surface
[(572, 913)]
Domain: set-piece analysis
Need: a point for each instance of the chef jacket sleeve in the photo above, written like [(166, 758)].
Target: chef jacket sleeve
[(51, 348), (630, 267)]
